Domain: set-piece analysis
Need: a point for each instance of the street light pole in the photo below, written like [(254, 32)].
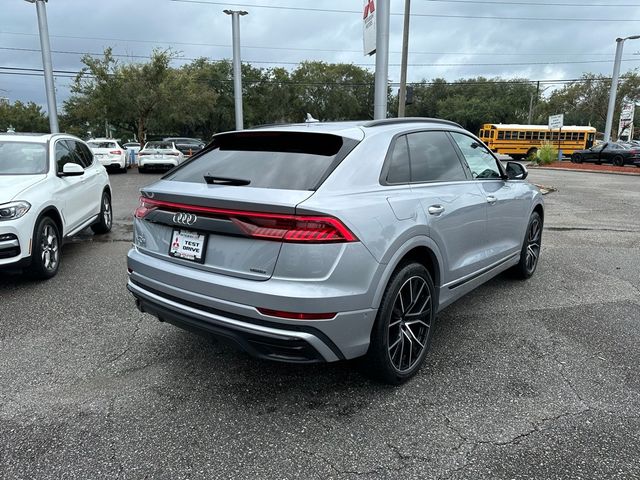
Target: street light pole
[(402, 93), (237, 65), (614, 85), (47, 66), (382, 60)]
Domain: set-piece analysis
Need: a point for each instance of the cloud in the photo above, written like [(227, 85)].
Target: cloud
[(450, 48)]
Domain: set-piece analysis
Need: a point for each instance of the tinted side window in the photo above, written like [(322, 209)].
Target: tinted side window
[(399, 170), (433, 158), (85, 158), (479, 159), (86, 153), (64, 155)]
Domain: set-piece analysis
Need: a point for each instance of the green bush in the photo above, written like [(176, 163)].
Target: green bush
[(546, 154)]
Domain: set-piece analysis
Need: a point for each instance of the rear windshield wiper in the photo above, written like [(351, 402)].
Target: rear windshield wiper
[(211, 180)]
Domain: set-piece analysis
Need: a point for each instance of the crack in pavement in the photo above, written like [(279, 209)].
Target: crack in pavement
[(338, 470), (129, 343)]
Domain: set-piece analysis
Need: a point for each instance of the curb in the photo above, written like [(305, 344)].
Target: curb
[(586, 171)]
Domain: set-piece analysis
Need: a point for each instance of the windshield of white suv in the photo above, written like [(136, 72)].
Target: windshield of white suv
[(22, 158)]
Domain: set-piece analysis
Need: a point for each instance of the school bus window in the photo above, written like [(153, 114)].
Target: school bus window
[(582, 136), (521, 135), (500, 135)]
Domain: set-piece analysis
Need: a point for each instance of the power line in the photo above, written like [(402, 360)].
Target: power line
[(124, 55), (431, 15), (28, 71), (539, 4), (459, 64)]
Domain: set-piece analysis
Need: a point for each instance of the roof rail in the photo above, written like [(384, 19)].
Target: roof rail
[(393, 121)]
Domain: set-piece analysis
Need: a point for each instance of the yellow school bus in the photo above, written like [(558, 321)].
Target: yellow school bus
[(520, 141)]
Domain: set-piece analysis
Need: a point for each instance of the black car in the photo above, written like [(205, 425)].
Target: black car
[(619, 154), (188, 146)]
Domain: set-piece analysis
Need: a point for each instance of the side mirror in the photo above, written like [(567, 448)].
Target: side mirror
[(516, 171), (72, 170)]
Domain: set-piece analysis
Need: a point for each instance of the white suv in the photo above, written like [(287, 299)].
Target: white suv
[(109, 153), (50, 188)]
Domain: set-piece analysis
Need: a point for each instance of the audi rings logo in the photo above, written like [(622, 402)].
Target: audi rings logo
[(185, 218)]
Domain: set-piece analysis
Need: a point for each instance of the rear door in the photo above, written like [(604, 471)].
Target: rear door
[(234, 203), (506, 201), (452, 202)]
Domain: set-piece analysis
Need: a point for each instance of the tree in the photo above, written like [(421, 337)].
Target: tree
[(23, 117), (332, 91), (585, 101), (125, 95), (474, 101)]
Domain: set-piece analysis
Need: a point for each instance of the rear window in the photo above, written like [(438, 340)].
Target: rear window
[(159, 145), (280, 160), (102, 144)]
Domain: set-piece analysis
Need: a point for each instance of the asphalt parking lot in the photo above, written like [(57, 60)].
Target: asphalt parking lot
[(525, 380)]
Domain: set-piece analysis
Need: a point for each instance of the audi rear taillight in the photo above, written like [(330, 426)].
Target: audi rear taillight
[(142, 154), (115, 152), (267, 226), (146, 206)]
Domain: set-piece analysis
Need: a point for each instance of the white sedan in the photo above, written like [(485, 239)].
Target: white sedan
[(162, 155), (50, 188), (109, 153)]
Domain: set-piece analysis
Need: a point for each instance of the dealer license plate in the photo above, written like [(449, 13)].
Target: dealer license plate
[(188, 245)]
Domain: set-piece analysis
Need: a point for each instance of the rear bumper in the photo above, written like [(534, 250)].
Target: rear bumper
[(111, 162), (215, 305), (268, 341), (157, 162)]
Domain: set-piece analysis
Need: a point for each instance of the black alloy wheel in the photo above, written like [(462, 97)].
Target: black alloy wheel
[(530, 252), (402, 333)]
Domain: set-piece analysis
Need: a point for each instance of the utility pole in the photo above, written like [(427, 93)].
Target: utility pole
[(382, 60), (237, 65), (47, 66), (402, 93), (614, 85)]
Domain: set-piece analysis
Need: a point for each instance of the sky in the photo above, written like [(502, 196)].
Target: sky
[(450, 39)]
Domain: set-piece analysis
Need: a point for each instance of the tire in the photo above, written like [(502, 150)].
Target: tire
[(530, 252), (532, 151), (47, 249), (124, 169), (618, 161), (401, 334), (577, 158), (142, 170), (103, 225)]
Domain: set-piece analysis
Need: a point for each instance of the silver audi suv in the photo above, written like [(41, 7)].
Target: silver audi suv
[(321, 242)]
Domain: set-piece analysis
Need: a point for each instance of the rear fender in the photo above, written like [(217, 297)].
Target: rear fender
[(398, 256)]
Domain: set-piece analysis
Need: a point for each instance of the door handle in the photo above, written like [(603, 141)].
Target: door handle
[(491, 199), (435, 209)]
